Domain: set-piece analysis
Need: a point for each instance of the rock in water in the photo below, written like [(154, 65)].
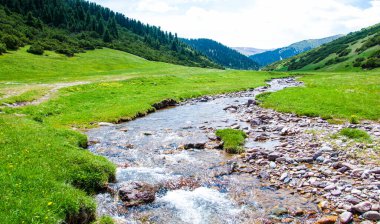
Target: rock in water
[(137, 193)]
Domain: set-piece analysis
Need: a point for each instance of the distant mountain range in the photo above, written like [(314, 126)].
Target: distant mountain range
[(353, 52), (222, 54), (269, 57), (249, 51)]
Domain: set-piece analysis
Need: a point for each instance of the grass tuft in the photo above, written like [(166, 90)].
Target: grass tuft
[(355, 134), (233, 140)]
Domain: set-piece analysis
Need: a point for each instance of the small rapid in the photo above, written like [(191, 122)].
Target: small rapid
[(193, 180)]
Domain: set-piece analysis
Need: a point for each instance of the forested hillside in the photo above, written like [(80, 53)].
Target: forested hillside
[(356, 51), (222, 54), (73, 26), (270, 57)]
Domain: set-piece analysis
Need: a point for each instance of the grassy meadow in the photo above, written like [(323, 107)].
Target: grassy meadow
[(331, 95)]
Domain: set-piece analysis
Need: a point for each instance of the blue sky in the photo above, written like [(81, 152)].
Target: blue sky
[(252, 23)]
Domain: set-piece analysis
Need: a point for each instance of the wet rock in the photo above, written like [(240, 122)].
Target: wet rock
[(232, 107), (137, 193), (345, 217), (327, 220), (165, 103), (251, 102), (362, 207), (198, 145), (372, 215), (256, 122)]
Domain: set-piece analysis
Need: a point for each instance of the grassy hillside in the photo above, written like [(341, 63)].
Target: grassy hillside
[(269, 57), (69, 27), (223, 55), (354, 52), (45, 176)]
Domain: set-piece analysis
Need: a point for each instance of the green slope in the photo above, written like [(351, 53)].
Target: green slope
[(353, 52), (72, 26)]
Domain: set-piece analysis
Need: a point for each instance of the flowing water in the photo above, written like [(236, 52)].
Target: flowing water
[(150, 150)]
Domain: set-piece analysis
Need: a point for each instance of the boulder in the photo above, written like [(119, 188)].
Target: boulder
[(137, 193)]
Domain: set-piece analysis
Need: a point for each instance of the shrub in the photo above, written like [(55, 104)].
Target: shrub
[(3, 48), (355, 134), (371, 63), (233, 140), (11, 41), (66, 51), (36, 49)]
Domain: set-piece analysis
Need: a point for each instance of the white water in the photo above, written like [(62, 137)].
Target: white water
[(203, 205)]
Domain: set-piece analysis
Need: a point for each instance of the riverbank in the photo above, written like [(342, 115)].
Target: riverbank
[(299, 158)]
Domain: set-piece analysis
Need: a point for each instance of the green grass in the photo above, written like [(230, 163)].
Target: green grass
[(355, 134), (233, 140), (331, 95), (42, 170)]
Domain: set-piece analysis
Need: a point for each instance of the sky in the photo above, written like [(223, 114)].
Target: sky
[(264, 24)]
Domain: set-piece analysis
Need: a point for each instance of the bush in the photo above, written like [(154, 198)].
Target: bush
[(233, 140), (66, 51), (3, 48), (36, 49), (355, 134), (371, 63), (11, 42)]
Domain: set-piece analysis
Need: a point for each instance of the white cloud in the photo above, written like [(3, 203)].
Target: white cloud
[(253, 23)]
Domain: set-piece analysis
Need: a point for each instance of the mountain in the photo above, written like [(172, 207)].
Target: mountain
[(72, 26), (222, 54), (249, 51), (355, 51), (279, 54)]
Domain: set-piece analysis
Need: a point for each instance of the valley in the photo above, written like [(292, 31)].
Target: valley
[(105, 119)]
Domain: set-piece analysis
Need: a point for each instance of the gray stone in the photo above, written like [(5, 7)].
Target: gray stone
[(273, 156), (372, 215), (284, 176)]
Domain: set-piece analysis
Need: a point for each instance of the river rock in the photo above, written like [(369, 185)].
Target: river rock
[(362, 207), (278, 211), (305, 160), (137, 193), (345, 217), (372, 215), (327, 220), (273, 156), (376, 170)]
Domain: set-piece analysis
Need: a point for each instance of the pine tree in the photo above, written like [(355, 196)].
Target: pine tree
[(107, 36)]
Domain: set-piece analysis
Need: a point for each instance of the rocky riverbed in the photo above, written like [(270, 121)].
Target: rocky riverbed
[(295, 169)]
